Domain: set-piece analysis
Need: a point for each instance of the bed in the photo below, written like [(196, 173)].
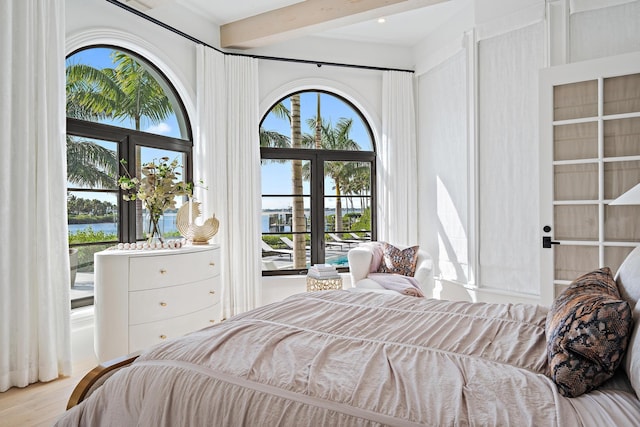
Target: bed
[(341, 358)]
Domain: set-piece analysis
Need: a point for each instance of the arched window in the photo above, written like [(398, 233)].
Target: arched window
[(119, 108), (318, 182)]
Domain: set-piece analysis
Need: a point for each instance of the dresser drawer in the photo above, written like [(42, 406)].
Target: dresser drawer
[(171, 301), (148, 334), (150, 272)]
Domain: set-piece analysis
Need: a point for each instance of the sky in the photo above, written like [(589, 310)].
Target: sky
[(276, 177)]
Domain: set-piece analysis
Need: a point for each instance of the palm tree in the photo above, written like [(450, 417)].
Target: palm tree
[(325, 137), (318, 124), (126, 92), (90, 164), (359, 183), (275, 139), (270, 138), (298, 223), (336, 138)]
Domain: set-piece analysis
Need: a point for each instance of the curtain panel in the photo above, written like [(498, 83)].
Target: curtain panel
[(508, 150), (227, 159), (243, 183), (443, 174), (35, 342), (209, 158), (397, 161)]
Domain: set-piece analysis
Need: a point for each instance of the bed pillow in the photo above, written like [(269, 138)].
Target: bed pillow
[(628, 280), (399, 261), (587, 330)]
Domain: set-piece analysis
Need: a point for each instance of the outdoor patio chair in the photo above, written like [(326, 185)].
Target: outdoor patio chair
[(360, 238), (338, 239), (268, 250), (329, 243), (287, 241)]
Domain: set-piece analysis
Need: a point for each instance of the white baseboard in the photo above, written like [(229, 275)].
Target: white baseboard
[(451, 290), (82, 318), (82, 326)]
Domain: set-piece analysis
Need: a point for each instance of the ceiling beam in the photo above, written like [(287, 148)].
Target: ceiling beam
[(294, 20)]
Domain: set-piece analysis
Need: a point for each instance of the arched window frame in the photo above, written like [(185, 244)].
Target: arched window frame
[(128, 141), (317, 159)]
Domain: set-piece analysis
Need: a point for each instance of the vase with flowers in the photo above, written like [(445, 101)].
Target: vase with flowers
[(157, 188)]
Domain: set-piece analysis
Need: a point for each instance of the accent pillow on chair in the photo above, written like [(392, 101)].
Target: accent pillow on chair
[(367, 258), (399, 261), (587, 328)]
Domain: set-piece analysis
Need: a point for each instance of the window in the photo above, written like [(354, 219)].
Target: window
[(318, 182), (119, 106)]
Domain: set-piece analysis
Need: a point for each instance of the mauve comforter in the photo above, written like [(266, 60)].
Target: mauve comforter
[(340, 358)]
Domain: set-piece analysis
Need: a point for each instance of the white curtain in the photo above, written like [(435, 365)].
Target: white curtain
[(35, 340), (227, 158), (397, 166), (243, 183), (443, 173), (508, 152), (210, 160)]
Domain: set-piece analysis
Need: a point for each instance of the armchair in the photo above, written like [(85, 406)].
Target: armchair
[(361, 257)]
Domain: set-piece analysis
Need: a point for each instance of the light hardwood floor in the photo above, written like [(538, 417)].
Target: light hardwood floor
[(41, 404)]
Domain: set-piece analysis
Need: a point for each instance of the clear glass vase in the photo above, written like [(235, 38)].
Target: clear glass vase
[(154, 232)]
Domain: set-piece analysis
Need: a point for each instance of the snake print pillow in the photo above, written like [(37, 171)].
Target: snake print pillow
[(587, 332), (399, 261)]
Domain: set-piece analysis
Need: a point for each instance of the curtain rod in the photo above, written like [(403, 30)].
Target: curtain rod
[(268, 58)]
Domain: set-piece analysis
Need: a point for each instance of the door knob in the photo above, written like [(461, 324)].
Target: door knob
[(547, 242)]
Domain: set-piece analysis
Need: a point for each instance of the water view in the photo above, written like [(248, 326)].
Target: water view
[(270, 222), (167, 225)]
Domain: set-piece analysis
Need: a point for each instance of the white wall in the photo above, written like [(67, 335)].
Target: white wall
[(484, 234)]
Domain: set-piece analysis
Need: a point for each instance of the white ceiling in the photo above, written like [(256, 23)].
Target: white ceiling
[(406, 24), (403, 28)]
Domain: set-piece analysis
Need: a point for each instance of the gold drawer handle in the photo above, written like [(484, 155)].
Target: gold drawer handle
[(163, 304), (212, 321), (212, 292), (163, 271), (212, 264), (163, 337)]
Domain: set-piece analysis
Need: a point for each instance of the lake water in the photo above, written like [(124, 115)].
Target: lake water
[(167, 225), (167, 222)]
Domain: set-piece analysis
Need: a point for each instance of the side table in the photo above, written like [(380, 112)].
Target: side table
[(314, 284)]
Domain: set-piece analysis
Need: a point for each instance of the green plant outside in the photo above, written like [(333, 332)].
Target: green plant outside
[(363, 223), (90, 219), (89, 236), (85, 256)]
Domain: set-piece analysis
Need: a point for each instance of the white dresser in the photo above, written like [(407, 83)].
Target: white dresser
[(143, 297)]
